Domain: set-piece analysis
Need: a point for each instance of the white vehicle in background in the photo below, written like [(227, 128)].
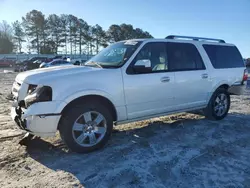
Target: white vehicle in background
[(57, 62), (126, 82)]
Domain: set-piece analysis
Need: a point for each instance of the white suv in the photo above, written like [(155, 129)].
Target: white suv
[(128, 81)]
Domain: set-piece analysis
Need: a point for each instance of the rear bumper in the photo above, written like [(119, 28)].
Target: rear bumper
[(40, 125)]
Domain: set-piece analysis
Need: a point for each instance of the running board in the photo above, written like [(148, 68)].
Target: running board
[(159, 115)]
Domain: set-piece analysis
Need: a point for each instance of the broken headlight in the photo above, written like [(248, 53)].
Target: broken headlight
[(39, 94)]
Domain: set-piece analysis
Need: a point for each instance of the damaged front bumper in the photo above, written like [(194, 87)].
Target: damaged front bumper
[(35, 121), (16, 114)]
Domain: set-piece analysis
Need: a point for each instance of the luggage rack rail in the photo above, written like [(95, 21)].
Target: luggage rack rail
[(195, 38)]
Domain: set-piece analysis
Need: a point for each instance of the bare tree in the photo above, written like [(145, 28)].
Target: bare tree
[(6, 29)]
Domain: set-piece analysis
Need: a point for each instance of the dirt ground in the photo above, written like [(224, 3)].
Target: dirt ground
[(183, 150)]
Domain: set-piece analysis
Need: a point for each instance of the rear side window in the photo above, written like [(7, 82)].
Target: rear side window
[(184, 56), (224, 56)]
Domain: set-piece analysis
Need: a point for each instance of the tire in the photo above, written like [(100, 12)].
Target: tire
[(79, 126), (218, 109)]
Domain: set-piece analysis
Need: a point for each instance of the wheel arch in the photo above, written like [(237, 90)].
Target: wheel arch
[(209, 111), (104, 99), (224, 85)]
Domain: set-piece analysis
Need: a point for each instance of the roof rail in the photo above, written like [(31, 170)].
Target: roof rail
[(194, 38)]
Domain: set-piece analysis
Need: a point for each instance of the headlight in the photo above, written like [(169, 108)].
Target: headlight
[(40, 94)]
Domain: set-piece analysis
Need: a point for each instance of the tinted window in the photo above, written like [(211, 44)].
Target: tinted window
[(224, 56), (184, 56), (156, 53)]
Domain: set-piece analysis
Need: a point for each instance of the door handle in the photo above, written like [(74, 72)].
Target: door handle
[(165, 79), (204, 76)]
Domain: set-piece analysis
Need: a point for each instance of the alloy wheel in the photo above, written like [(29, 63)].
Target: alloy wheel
[(89, 128), (221, 104)]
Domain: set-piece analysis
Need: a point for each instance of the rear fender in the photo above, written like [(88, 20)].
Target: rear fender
[(224, 82)]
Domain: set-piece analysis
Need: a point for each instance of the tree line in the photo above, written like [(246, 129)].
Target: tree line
[(61, 34)]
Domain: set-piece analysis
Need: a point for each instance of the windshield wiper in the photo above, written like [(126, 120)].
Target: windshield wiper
[(93, 63)]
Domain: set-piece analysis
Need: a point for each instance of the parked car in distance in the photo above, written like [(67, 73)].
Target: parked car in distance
[(76, 61), (128, 81), (32, 59), (57, 57), (35, 64), (29, 63), (19, 67), (4, 63), (55, 63), (7, 62)]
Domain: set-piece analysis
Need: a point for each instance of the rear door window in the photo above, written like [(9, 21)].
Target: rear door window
[(224, 56), (184, 57)]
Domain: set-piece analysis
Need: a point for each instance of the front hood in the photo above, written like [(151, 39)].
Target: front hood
[(36, 75)]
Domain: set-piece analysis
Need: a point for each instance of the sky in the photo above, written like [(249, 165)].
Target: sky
[(225, 19)]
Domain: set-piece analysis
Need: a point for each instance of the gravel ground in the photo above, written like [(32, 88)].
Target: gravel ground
[(182, 150)]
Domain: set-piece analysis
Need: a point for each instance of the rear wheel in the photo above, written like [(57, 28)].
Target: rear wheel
[(218, 105), (87, 127)]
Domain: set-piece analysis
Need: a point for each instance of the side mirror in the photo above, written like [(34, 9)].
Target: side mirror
[(142, 66)]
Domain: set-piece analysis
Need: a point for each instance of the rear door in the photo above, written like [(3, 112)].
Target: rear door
[(191, 76)]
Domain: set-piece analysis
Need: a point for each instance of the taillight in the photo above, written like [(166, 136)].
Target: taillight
[(245, 76)]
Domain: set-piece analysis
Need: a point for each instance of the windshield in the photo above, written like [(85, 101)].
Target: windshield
[(114, 55)]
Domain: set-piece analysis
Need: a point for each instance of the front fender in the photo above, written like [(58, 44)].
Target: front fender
[(83, 93)]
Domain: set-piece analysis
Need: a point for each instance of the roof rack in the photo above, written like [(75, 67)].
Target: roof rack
[(194, 38)]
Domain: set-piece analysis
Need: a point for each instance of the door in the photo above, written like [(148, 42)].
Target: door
[(191, 77), (151, 92)]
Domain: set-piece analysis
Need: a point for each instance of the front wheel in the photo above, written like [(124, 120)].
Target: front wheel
[(218, 105), (87, 127)]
